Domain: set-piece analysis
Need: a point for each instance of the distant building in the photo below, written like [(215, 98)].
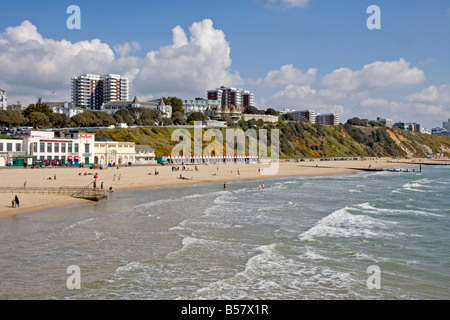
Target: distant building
[(72, 148), (222, 113), (9, 149), (328, 119), (157, 105), (387, 122), (145, 155), (305, 116), (446, 125), (113, 152), (232, 96), (409, 126), (440, 132), (199, 105), (92, 91), (3, 100), (17, 107), (286, 111), (166, 110), (66, 108), (264, 117)]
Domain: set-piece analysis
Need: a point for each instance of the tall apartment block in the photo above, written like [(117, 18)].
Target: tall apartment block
[(93, 91), (328, 119), (3, 100), (306, 116), (232, 96)]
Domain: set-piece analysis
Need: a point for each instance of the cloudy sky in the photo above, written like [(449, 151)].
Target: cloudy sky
[(296, 54)]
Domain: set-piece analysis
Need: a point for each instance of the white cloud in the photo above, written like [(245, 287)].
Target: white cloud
[(288, 3), (34, 65), (125, 49), (377, 75), (432, 94), (286, 75), (189, 66)]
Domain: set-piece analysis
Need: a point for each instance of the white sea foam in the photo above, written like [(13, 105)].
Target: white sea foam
[(79, 223), (130, 267), (342, 223), (368, 208)]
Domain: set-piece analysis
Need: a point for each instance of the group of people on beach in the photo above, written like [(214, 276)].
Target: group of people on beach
[(15, 203)]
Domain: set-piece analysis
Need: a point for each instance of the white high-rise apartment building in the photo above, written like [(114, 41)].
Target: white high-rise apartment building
[(93, 91), (3, 100), (232, 96)]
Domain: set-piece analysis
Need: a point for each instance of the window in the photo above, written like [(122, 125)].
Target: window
[(49, 147), (77, 147), (42, 147), (1, 146), (35, 147), (63, 148), (69, 147), (18, 146), (86, 147), (56, 147), (9, 147)]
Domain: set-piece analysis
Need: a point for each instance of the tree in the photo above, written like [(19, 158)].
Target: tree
[(124, 116), (38, 107), (272, 112), (86, 119), (178, 118), (38, 120), (175, 103), (197, 116), (13, 118), (59, 120), (251, 110), (289, 117)]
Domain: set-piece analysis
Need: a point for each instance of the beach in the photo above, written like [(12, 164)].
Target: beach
[(143, 177)]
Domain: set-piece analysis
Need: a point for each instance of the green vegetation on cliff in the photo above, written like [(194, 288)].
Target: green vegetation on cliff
[(303, 140)]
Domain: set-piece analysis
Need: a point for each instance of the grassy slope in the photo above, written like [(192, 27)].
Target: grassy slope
[(305, 140)]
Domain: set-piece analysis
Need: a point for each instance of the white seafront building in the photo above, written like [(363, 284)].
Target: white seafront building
[(46, 147)]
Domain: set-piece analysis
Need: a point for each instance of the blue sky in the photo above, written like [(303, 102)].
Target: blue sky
[(294, 54)]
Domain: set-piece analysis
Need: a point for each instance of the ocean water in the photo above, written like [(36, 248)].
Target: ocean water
[(299, 238)]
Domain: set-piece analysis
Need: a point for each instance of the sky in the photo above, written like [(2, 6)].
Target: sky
[(295, 54)]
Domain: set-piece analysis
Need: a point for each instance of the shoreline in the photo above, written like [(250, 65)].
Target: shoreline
[(139, 177)]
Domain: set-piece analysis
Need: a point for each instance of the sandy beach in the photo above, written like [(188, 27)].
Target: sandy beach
[(142, 177)]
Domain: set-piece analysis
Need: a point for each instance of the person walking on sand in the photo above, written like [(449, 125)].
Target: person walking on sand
[(114, 178), (16, 200)]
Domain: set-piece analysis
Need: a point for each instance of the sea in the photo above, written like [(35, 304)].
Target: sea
[(362, 236)]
